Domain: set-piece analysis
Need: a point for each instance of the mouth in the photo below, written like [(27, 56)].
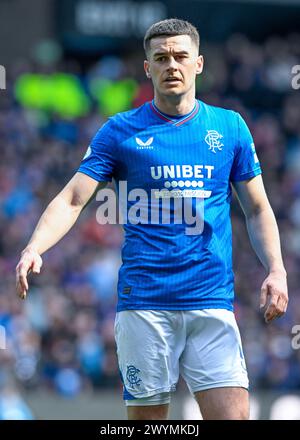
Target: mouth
[(172, 80)]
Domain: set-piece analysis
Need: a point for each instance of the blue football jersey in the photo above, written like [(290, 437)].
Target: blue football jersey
[(176, 174)]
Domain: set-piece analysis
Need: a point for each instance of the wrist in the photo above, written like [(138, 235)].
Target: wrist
[(278, 271), (31, 247)]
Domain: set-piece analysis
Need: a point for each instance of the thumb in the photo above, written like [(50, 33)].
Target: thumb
[(263, 295), (37, 264)]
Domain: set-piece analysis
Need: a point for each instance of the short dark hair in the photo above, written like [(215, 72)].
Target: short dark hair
[(169, 27)]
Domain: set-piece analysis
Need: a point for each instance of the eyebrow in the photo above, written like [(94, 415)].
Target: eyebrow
[(181, 52)]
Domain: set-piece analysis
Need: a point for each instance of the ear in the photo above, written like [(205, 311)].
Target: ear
[(200, 64), (147, 68)]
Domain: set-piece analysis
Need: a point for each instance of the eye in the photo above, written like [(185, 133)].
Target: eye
[(181, 57), (162, 58)]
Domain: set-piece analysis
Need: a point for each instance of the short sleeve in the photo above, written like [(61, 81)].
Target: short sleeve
[(100, 158), (245, 164)]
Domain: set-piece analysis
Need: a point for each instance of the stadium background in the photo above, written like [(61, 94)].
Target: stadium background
[(69, 65)]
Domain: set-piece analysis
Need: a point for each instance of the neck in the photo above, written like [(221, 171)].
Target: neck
[(175, 105)]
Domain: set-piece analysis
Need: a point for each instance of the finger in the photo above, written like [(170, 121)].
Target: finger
[(24, 266), (270, 317), (263, 296), (23, 295), (274, 316), (22, 278), (21, 282), (285, 302), (281, 305), (272, 310), (22, 270), (21, 291)]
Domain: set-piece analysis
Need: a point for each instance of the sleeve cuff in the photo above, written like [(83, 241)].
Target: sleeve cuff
[(246, 176), (94, 175)]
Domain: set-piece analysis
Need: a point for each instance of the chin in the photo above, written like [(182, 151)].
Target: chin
[(173, 92)]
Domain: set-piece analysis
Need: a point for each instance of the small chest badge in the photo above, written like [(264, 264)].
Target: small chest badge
[(213, 140)]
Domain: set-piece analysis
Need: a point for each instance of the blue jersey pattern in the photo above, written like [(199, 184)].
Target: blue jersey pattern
[(166, 264)]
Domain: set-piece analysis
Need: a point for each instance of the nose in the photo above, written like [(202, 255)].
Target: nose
[(172, 65)]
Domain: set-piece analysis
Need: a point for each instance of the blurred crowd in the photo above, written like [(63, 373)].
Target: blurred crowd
[(62, 337)]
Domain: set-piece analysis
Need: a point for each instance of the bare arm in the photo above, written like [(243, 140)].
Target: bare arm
[(264, 237), (58, 218)]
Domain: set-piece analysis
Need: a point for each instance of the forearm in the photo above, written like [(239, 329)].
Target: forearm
[(264, 237), (56, 221)]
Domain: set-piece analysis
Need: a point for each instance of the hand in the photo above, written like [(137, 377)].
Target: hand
[(274, 295), (30, 261)]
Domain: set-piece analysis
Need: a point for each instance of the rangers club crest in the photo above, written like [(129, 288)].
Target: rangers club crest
[(132, 375), (213, 140)]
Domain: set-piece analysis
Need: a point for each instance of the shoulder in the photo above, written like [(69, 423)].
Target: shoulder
[(226, 117), (121, 125), (219, 112), (131, 117)]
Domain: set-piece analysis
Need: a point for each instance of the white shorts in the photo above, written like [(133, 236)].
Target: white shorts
[(155, 346)]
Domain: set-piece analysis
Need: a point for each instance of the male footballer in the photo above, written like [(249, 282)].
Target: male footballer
[(176, 286)]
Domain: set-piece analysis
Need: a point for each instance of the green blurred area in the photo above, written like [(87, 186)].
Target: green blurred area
[(65, 95)]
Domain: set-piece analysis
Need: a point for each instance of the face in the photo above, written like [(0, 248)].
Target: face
[(173, 63)]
